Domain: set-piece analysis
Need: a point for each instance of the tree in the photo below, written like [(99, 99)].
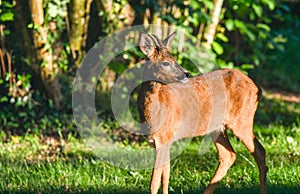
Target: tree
[(79, 14), (47, 67), (212, 26)]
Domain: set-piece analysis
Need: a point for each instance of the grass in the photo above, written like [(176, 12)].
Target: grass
[(26, 167), (39, 164)]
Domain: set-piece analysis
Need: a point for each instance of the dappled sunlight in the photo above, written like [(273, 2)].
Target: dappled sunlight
[(50, 104)]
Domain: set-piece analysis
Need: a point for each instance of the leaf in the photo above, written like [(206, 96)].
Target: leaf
[(271, 4), (257, 9), (222, 37), (4, 99), (244, 29), (229, 24), (8, 16), (195, 4), (15, 139), (247, 66), (209, 4), (264, 26), (52, 10), (7, 5), (30, 25), (218, 48)]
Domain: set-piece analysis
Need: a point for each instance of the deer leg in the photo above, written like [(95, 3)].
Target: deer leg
[(161, 171), (155, 180), (166, 177), (226, 157), (259, 154)]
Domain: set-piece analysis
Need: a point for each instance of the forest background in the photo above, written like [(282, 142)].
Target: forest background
[(43, 43)]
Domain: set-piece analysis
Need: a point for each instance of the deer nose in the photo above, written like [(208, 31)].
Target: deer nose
[(187, 74), (184, 77)]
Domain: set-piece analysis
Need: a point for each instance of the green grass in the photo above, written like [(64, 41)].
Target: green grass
[(36, 164)]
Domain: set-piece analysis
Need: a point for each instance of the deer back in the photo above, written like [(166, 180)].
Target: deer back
[(174, 106)]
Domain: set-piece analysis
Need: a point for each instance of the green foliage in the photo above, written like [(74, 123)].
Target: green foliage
[(281, 67), (241, 40), (55, 18), (26, 111), (196, 60), (113, 17), (56, 9), (248, 34), (6, 11), (18, 90), (189, 16)]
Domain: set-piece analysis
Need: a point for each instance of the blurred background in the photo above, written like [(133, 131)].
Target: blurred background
[(44, 41)]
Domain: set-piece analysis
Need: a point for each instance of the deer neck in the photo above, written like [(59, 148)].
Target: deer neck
[(151, 86)]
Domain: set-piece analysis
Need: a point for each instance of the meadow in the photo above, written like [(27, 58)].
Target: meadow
[(35, 163)]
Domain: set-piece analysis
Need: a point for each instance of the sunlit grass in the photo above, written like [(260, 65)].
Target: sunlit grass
[(46, 164), (37, 164)]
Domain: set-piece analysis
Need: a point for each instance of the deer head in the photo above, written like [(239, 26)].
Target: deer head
[(161, 66)]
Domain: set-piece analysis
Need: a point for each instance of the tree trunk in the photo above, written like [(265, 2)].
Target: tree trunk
[(114, 19), (25, 36), (212, 27), (79, 14), (48, 68)]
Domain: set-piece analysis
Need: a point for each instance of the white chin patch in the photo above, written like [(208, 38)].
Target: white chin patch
[(184, 80)]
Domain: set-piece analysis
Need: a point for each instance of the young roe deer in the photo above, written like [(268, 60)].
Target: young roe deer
[(174, 106)]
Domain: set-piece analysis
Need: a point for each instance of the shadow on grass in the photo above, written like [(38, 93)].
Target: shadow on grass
[(277, 111)]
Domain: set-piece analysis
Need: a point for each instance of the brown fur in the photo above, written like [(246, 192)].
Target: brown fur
[(175, 110)]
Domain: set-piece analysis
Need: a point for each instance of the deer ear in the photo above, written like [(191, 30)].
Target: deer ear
[(167, 41), (147, 45)]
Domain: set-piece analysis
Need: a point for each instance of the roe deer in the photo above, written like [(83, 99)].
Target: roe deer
[(174, 106)]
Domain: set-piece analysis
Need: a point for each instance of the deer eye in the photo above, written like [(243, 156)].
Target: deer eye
[(166, 64)]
